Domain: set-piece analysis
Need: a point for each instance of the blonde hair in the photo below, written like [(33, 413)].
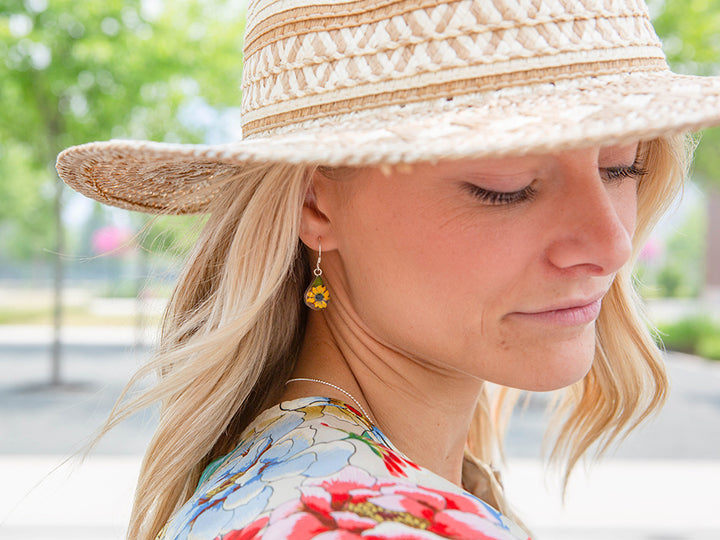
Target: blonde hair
[(234, 325)]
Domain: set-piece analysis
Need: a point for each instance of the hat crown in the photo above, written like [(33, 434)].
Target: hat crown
[(308, 62)]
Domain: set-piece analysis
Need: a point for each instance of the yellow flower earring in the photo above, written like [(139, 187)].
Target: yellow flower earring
[(317, 295)]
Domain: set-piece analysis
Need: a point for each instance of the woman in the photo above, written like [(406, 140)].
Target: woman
[(431, 197)]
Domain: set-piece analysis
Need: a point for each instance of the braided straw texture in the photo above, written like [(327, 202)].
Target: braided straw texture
[(303, 64)]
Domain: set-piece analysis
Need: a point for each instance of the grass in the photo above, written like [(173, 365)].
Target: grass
[(72, 316)]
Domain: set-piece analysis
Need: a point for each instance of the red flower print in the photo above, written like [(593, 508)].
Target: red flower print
[(246, 533), (352, 505), (394, 462)]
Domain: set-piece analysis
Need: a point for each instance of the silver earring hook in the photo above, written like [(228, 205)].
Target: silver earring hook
[(318, 271)]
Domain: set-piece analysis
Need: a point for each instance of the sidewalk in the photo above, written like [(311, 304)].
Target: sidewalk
[(618, 500), (50, 501), (112, 336)]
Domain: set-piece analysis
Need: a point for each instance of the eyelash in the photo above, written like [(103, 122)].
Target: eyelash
[(502, 197), (618, 173), (613, 174)]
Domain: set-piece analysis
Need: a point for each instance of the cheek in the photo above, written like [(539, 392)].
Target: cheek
[(395, 262), (437, 268)]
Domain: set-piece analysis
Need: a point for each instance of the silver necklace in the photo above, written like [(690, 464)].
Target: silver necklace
[(300, 379)]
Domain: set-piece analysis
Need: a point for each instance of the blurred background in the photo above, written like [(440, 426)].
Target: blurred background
[(83, 286)]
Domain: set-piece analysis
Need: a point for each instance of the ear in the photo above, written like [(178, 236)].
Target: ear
[(315, 225)]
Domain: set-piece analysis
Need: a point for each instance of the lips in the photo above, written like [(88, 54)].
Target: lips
[(569, 304), (576, 312)]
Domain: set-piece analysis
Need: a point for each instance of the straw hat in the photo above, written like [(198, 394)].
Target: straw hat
[(360, 82)]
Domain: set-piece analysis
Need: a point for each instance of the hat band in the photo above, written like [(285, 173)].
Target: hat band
[(474, 84)]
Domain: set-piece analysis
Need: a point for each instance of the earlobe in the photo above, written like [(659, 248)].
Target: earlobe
[(314, 223)]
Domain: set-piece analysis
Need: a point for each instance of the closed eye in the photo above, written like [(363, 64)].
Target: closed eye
[(502, 197), (635, 171)]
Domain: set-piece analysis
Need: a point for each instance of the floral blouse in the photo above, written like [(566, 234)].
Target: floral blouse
[(316, 468)]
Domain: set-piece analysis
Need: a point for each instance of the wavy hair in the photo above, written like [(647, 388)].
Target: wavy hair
[(234, 325)]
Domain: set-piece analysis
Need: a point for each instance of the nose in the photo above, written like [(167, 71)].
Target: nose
[(594, 220)]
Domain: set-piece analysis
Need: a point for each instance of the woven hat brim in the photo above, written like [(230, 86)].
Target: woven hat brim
[(181, 179)]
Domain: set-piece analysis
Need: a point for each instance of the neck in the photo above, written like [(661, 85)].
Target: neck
[(392, 387)]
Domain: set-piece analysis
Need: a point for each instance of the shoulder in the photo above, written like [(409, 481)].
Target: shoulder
[(314, 465)]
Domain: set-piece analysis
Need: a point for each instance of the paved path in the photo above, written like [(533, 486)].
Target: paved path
[(618, 500), (661, 485)]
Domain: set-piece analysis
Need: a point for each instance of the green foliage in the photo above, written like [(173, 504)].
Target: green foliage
[(708, 345), (76, 72), (681, 271), (26, 204), (684, 334), (170, 234), (690, 32), (123, 288), (109, 69), (706, 166), (695, 335)]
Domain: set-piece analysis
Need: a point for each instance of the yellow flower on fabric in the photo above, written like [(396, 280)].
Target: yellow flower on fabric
[(318, 297)]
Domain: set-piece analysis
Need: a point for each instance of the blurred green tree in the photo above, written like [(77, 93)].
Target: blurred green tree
[(75, 72), (26, 195), (682, 273), (690, 31)]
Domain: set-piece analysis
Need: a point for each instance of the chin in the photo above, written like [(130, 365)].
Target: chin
[(570, 371), (559, 366), (559, 382)]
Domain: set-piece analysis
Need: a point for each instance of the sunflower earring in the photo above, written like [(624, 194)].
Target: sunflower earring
[(317, 295)]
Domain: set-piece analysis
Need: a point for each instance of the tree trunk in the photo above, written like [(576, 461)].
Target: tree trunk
[(56, 355), (712, 254), (140, 302)]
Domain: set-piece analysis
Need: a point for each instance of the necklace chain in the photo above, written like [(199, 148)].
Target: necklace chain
[(348, 394)]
